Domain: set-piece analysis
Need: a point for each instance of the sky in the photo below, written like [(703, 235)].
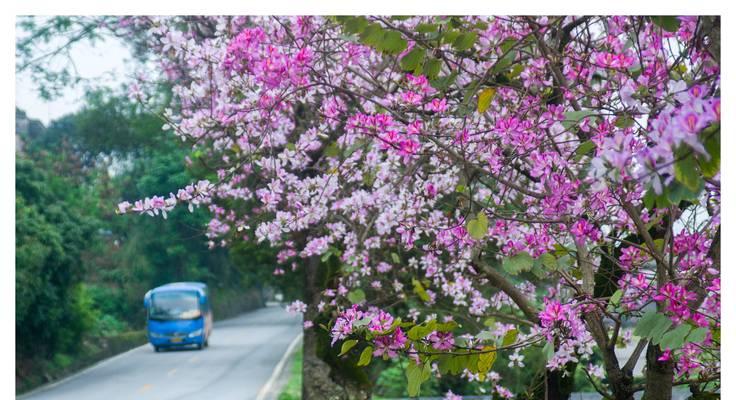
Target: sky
[(104, 64)]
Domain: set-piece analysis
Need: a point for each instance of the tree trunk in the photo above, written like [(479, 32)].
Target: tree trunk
[(659, 375), (559, 385), (324, 376)]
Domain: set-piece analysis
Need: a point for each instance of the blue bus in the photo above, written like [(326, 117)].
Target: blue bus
[(178, 314)]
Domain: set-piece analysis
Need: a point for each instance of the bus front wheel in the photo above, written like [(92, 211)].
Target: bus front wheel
[(157, 349)]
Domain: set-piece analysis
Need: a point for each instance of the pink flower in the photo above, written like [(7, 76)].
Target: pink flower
[(389, 345), (437, 105), (381, 322), (441, 340), (296, 307), (583, 229)]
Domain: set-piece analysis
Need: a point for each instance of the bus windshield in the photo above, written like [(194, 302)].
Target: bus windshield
[(174, 305)]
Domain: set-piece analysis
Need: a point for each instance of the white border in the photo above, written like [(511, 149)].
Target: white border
[(457, 7)]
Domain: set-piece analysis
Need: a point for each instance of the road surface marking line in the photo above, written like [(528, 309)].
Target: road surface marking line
[(194, 359), (106, 361), (145, 388), (279, 367), (171, 373)]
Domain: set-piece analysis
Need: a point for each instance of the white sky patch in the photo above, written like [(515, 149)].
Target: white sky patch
[(104, 64)]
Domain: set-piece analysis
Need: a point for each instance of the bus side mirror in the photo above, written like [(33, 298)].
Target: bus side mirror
[(147, 300), (202, 300)]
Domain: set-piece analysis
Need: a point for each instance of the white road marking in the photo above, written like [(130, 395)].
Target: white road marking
[(266, 388)]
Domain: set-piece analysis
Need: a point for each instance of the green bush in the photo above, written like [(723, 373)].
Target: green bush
[(62, 361)]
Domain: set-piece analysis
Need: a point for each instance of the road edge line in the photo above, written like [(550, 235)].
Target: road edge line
[(77, 374), (266, 388)]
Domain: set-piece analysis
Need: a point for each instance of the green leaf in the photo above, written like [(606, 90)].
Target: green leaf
[(662, 324), (419, 290), (444, 364), (485, 335), (504, 63), (414, 378), (459, 363), (686, 172), (418, 332), (366, 356), (675, 338), (450, 36), (561, 250), (332, 150), (372, 35), (356, 296), (346, 346), (676, 192), (658, 244), (464, 41), (426, 28), (415, 375), (395, 258), (519, 263), (572, 118), (712, 142), (646, 323), (355, 24), (585, 148), (484, 99), (478, 227), (548, 350), (548, 261), (667, 22), (444, 82), (446, 326), (649, 198), (507, 44), (510, 337), (624, 121), (431, 68), (392, 43), (515, 71), (616, 297), (413, 59), (486, 360), (697, 335)]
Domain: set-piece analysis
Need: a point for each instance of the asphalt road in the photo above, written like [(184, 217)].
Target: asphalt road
[(241, 357)]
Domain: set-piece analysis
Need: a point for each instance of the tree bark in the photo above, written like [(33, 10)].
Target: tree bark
[(324, 376), (659, 376)]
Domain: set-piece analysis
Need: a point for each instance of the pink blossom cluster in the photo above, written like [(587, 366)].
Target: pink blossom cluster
[(328, 148)]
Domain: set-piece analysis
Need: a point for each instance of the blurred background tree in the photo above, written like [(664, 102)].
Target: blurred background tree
[(81, 270)]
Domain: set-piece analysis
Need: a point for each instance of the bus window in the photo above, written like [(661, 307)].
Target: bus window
[(174, 305)]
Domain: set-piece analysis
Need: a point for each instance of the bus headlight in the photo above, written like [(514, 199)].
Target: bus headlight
[(157, 335), (196, 333)]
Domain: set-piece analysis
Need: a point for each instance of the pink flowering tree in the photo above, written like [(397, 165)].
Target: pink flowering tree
[(467, 187)]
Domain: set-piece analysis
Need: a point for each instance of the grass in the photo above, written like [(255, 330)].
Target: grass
[(293, 388)]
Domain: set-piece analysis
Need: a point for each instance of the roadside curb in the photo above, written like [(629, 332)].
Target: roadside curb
[(267, 390)]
